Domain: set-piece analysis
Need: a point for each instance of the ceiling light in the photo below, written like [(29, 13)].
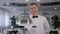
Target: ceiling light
[(55, 8), (7, 3), (14, 9), (27, 0), (38, 0)]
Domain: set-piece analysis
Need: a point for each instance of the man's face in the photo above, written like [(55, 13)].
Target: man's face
[(34, 9)]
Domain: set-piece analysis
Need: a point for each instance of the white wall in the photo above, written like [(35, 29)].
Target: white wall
[(4, 18)]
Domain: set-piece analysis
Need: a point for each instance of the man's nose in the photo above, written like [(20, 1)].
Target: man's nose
[(33, 9)]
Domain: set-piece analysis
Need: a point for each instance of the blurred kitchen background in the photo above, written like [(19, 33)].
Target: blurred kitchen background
[(48, 8)]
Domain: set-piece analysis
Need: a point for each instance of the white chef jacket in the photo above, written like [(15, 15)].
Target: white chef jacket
[(42, 25)]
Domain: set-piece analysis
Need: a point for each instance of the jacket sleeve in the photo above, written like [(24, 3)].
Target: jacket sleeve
[(46, 26)]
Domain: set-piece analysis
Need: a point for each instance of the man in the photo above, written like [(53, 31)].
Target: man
[(41, 25)]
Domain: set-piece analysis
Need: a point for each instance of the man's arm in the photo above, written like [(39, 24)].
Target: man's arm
[(46, 26)]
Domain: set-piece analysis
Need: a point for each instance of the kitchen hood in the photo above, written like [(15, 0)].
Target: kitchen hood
[(50, 4), (16, 4)]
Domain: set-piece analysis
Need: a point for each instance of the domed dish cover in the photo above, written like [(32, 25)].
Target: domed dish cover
[(24, 18)]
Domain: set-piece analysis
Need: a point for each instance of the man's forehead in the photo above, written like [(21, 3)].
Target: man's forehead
[(33, 6)]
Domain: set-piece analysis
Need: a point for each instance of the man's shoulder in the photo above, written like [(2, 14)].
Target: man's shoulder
[(42, 17)]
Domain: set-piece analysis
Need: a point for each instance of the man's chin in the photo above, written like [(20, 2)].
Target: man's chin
[(34, 14)]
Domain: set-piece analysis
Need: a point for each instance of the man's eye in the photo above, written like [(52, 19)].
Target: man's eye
[(34, 7), (31, 8)]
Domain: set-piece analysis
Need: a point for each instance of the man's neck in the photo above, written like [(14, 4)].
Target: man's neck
[(35, 15)]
